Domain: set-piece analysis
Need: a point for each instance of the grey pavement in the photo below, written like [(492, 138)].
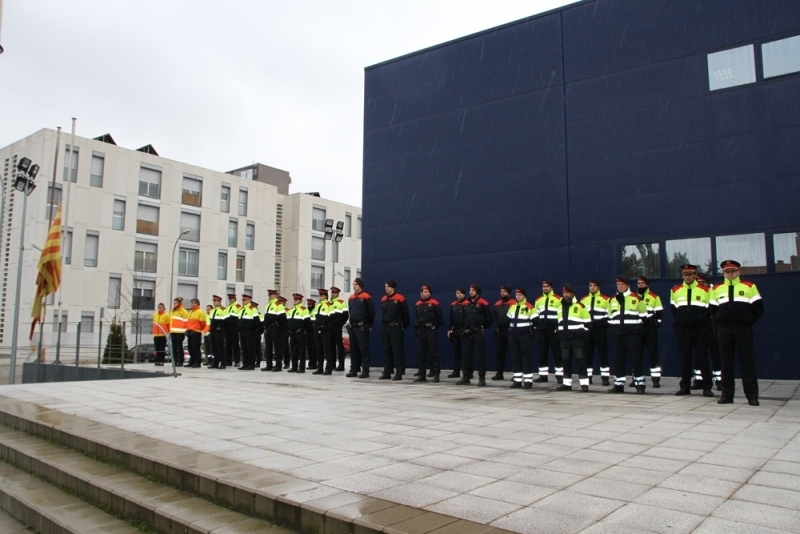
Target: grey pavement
[(523, 460)]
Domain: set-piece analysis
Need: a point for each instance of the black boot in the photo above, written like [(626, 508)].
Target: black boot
[(562, 387), (656, 382), (560, 379), (527, 385), (683, 391), (482, 381), (515, 385), (364, 374), (617, 389), (640, 390), (590, 380), (498, 376), (430, 374), (541, 378), (420, 379), (436, 379), (708, 393), (385, 376), (463, 382), (351, 374), (605, 380), (454, 375), (584, 389), (398, 376)]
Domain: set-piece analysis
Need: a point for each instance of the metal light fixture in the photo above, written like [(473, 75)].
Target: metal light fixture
[(339, 232), (328, 229)]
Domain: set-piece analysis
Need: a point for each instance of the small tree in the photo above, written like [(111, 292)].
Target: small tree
[(116, 344)]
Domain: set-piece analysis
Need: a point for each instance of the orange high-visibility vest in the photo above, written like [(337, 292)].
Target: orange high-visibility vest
[(178, 320), (197, 320), (161, 324)]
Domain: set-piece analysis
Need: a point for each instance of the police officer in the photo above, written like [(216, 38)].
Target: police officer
[(207, 338), (654, 313), (231, 314), (736, 306), (501, 323), (313, 343), (597, 305), (713, 347), (338, 320), (322, 321), (456, 328), (217, 322), (520, 339), (247, 324), (297, 320), (546, 313), (362, 316), (274, 325), (195, 324), (626, 314), (689, 304), (477, 318), (395, 319), (429, 319), (572, 321)]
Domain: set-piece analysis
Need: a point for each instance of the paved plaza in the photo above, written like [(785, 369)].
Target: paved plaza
[(525, 461)]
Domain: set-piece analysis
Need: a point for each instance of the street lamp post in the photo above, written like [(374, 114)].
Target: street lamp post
[(24, 182), (334, 235)]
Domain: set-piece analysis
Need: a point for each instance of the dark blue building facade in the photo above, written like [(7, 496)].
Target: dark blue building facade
[(607, 136)]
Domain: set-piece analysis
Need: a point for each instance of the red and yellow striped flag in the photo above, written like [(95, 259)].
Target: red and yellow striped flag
[(49, 277)]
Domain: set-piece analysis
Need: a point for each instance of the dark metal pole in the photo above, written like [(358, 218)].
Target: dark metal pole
[(122, 347), (58, 344), (78, 345), (99, 343)]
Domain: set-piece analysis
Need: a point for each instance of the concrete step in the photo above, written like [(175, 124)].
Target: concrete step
[(118, 491), (9, 525), (44, 508)]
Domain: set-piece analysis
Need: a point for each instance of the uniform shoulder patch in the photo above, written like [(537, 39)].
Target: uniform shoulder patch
[(529, 306), (676, 287), (716, 286), (434, 302), (748, 283)]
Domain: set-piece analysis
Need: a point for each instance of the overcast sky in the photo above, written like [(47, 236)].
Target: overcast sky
[(222, 84)]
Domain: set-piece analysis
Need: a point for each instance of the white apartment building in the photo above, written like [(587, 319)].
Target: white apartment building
[(124, 217)]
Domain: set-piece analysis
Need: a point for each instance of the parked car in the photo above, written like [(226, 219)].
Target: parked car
[(146, 352)]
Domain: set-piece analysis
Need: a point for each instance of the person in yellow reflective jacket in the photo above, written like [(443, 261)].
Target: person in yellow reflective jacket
[(178, 319), (626, 314), (597, 305), (520, 339), (195, 324), (161, 323), (654, 313), (689, 303), (573, 319)]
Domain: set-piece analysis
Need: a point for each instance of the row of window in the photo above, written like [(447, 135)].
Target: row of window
[(737, 66), (318, 277), (750, 250)]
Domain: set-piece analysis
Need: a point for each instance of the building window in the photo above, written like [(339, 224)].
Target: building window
[(787, 251), (96, 176), (149, 182), (247, 174), (63, 323), (358, 273), (53, 201), (640, 260), (748, 249), (90, 252), (318, 219), (317, 277), (358, 227), (348, 225), (192, 194), (683, 251), (243, 202), (730, 68), (114, 290), (347, 280), (144, 295), (317, 248), (187, 291), (66, 255), (187, 262), (87, 322), (118, 216), (222, 266), (147, 219), (144, 257), (250, 236), (191, 222), (781, 57), (73, 176), (230, 289), (233, 231), (225, 199), (240, 267)]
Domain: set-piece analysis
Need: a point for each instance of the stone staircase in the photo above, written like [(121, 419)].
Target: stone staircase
[(63, 473)]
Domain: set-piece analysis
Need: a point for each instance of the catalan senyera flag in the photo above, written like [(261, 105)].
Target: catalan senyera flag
[(49, 277)]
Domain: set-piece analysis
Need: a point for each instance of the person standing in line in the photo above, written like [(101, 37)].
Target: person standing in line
[(283, 334), (501, 323), (477, 319), (161, 326), (736, 306), (216, 321), (456, 329), (393, 323), (323, 319), (313, 343), (655, 312), (179, 318), (597, 305), (207, 337), (248, 325), (546, 321), (689, 304), (195, 324), (274, 324), (713, 347), (572, 321), (626, 314), (297, 319), (339, 319), (231, 314), (361, 312), (429, 319), (520, 339)]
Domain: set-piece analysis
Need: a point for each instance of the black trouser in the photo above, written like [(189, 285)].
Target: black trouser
[(311, 345), (359, 349), (326, 339), (713, 349), (455, 340), (737, 339), (177, 348), (521, 357), (548, 342), (650, 343), (218, 347), (194, 340), (501, 346), (274, 345), (232, 352), (285, 348), (319, 351), (474, 344), (161, 345), (428, 350), (628, 344), (573, 348), (297, 341), (338, 345), (207, 345), (597, 338), (393, 338), (694, 337), (247, 352)]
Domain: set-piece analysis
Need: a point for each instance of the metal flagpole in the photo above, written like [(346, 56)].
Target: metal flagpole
[(65, 213)]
